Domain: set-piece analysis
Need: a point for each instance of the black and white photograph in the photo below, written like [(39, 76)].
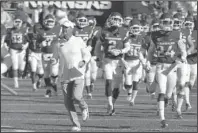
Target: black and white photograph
[(98, 66)]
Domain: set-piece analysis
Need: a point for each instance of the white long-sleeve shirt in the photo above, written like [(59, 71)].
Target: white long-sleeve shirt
[(70, 53)]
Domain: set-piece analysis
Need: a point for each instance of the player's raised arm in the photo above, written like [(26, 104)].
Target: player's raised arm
[(182, 48), (191, 45)]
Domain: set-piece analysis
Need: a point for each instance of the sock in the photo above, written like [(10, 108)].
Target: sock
[(33, 77), (161, 106), (179, 102), (135, 91)]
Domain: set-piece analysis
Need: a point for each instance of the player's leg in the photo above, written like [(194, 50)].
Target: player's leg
[(47, 79), (94, 70), (137, 75), (108, 71), (33, 64), (128, 82), (117, 81), (15, 66), (151, 85), (88, 80), (40, 70), (22, 62), (181, 82), (161, 80), (171, 84), (54, 76), (174, 99), (192, 76)]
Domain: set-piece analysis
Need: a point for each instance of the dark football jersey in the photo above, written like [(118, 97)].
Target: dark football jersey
[(135, 45), (48, 35), (84, 33), (192, 58), (112, 41), (166, 46), (146, 46), (16, 38)]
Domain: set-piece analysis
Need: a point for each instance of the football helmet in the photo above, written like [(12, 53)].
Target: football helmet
[(178, 20), (115, 20), (166, 22), (135, 27), (82, 20), (155, 26), (18, 21), (189, 23), (49, 21), (127, 20)]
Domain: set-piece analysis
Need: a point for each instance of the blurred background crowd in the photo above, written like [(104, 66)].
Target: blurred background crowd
[(143, 10)]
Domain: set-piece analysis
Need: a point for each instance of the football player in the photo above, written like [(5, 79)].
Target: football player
[(35, 58), (182, 67), (151, 84), (126, 22), (5, 56), (167, 48), (134, 59), (16, 39), (49, 33), (191, 59), (85, 31), (112, 43)]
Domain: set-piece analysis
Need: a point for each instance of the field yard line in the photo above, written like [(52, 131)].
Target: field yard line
[(102, 119), (101, 94), (43, 104), (13, 130)]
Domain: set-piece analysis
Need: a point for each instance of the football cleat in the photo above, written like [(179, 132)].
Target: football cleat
[(89, 96), (179, 115), (173, 107), (34, 88), (132, 103), (188, 107), (85, 114), (129, 98), (48, 93), (164, 124), (113, 112), (38, 84), (76, 129)]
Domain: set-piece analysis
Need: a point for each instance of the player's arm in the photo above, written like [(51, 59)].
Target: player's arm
[(86, 55), (99, 48), (191, 45), (56, 54), (26, 43), (182, 48), (126, 47)]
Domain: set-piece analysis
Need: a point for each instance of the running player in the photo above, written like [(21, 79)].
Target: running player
[(112, 43), (49, 33), (16, 39), (167, 48)]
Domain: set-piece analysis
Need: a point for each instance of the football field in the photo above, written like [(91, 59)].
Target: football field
[(32, 112)]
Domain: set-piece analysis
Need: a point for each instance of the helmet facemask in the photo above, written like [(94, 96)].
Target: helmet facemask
[(166, 24), (127, 21), (145, 28), (188, 25), (135, 29), (49, 23), (82, 22), (115, 21), (155, 27), (177, 24), (18, 23)]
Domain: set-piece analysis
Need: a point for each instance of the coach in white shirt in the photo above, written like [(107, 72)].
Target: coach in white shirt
[(73, 56)]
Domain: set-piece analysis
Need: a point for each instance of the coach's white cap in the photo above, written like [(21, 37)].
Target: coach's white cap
[(67, 23)]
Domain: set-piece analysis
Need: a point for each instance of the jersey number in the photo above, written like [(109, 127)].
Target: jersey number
[(85, 39), (112, 45), (134, 51), (161, 52), (48, 41), (17, 39)]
